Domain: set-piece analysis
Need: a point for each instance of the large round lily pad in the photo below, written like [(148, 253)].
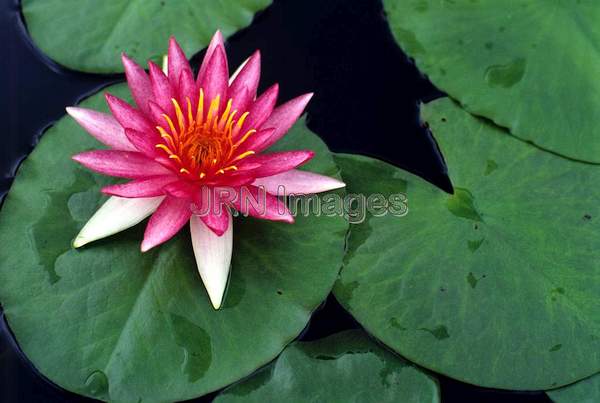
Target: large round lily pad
[(495, 285), (529, 65), (584, 391), (110, 322), (346, 367), (89, 35)]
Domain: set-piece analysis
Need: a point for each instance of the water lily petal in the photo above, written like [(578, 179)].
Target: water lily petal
[(243, 87), (257, 202), (284, 117), (216, 80), (162, 89), (298, 183), (115, 215), (122, 164), (182, 189), (215, 42), (218, 223), (170, 216), (144, 142), (102, 126), (274, 163), (138, 82), (260, 110), (149, 187), (188, 90), (213, 257), (177, 62), (127, 115)]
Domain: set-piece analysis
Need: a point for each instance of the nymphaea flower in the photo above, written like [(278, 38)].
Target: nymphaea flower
[(187, 140)]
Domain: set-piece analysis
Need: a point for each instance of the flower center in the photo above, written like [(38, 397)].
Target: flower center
[(204, 143)]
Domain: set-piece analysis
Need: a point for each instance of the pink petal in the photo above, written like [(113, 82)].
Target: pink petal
[(156, 112), (218, 223), (161, 87), (258, 203), (102, 126), (188, 90), (167, 220), (284, 117), (122, 164), (138, 83), (182, 189), (243, 88), (274, 163), (178, 63), (150, 187), (298, 183), (260, 110), (215, 42), (211, 210), (216, 79), (126, 115), (144, 142)]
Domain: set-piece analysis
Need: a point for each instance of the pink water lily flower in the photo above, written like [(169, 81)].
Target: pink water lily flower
[(190, 145)]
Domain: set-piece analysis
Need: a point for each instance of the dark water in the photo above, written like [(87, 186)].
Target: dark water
[(367, 95)]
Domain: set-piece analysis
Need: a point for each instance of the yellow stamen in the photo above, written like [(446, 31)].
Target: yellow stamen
[(171, 126), (212, 110), (164, 147), (225, 114), (244, 137), (200, 109), (183, 170), (179, 114), (243, 155)]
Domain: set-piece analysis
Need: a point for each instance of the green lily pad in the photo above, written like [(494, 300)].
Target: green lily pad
[(89, 35), (528, 65), (585, 391), (496, 285), (112, 323), (346, 367)]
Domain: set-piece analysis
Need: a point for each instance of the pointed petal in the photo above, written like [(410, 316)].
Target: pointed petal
[(298, 183), (127, 115), (284, 117), (122, 164), (102, 126), (215, 80), (275, 163), (256, 202), (261, 109), (183, 189), (218, 223), (170, 216), (178, 63), (150, 187), (162, 89), (215, 42), (156, 114), (213, 258), (243, 88), (138, 82), (144, 142), (188, 90), (115, 215)]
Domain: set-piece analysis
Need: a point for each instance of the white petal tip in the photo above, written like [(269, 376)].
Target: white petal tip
[(79, 242), (215, 294)]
